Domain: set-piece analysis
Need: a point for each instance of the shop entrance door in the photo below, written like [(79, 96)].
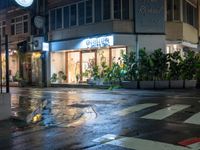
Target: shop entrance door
[(88, 61)]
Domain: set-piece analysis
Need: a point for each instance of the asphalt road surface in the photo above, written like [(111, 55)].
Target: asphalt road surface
[(89, 119)]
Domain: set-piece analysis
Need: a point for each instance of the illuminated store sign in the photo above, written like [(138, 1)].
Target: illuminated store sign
[(45, 46), (103, 41), (24, 3)]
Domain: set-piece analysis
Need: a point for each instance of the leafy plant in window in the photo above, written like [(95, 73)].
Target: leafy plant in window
[(54, 77), (103, 66), (62, 76)]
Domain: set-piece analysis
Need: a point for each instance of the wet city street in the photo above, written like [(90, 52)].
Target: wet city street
[(94, 119)]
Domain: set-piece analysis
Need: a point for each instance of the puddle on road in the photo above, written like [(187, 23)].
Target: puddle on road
[(48, 112)]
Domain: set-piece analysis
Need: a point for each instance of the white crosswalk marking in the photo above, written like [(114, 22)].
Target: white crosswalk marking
[(136, 143), (195, 119), (166, 112), (133, 109)]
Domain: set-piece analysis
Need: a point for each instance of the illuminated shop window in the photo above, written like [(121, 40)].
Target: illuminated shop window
[(73, 67), (117, 54)]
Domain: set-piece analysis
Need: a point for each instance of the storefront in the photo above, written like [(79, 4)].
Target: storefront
[(13, 65), (180, 46), (31, 68), (75, 62)]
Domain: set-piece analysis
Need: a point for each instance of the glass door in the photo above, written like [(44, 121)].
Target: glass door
[(88, 61), (73, 67)]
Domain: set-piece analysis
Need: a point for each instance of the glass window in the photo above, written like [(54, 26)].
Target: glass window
[(169, 10), (18, 28), (125, 9), (25, 17), (58, 18), (13, 29), (88, 11), (106, 9), (53, 19), (98, 10), (73, 67), (2, 28), (176, 9), (73, 15), (3, 31), (103, 57), (88, 61), (117, 9), (190, 14), (66, 17), (81, 13), (173, 10), (25, 27), (117, 54), (19, 25)]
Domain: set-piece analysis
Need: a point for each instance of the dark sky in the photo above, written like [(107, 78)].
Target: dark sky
[(5, 3)]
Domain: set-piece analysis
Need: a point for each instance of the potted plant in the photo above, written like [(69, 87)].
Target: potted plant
[(130, 70), (189, 69), (197, 74), (61, 77), (54, 78), (175, 65), (160, 68), (145, 69)]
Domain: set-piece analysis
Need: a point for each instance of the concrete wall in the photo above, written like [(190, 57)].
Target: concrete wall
[(174, 31), (5, 106), (179, 31), (152, 42), (190, 33), (92, 29)]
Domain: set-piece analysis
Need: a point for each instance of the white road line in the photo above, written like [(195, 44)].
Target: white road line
[(195, 119), (137, 144), (166, 112), (133, 109), (195, 146)]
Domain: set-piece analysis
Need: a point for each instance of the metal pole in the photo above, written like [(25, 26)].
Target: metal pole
[(1, 66), (7, 64)]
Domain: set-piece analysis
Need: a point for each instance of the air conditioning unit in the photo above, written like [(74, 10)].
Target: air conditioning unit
[(37, 43)]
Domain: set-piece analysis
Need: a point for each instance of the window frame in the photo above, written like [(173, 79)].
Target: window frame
[(15, 22)]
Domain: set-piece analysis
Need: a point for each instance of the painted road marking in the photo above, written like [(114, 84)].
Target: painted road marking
[(136, 143), (133, 109), (195, 119), (166, 112), (193, 143)]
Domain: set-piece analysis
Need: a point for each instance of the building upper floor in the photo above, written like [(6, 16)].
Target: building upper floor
[(67, 19), (182, 20), (72, 19)]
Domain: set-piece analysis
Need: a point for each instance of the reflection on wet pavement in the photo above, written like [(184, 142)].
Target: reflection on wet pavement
[(49, 108)]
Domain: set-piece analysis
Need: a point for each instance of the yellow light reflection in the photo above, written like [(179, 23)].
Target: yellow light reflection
[(37, 118), (36, 55)]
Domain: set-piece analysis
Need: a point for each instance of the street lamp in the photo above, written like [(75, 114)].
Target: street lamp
[(24, 3)]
